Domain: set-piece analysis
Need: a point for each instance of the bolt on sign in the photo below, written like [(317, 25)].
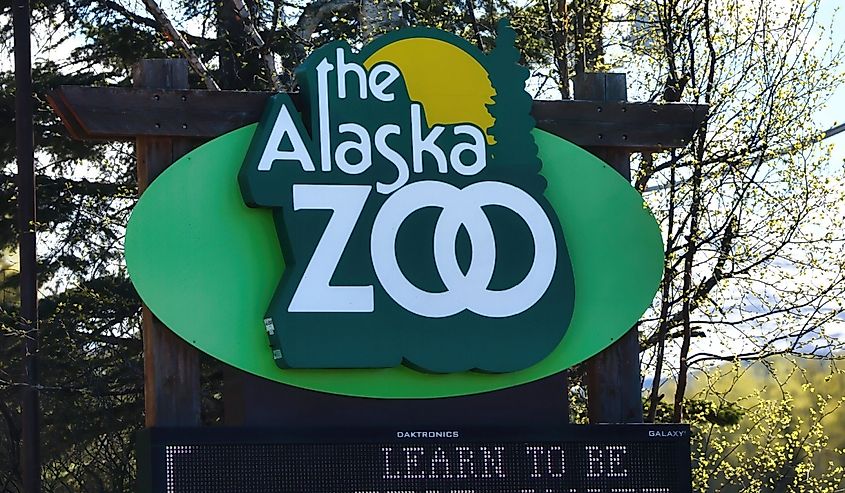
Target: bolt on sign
[(408, 222)]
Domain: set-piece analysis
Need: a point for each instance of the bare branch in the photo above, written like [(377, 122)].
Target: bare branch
[(266, 55), (174, 35)]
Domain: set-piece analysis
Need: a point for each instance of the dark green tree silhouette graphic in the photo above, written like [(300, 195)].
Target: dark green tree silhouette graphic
[(511, 110)]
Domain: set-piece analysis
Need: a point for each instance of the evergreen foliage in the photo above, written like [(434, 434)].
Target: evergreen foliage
[(511, 107)]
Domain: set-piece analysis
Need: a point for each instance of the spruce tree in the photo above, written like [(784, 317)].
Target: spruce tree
[(511, 106)]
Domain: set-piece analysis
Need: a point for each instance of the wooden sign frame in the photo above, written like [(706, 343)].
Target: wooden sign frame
[(166, 119)]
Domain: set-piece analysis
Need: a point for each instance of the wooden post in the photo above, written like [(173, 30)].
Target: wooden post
[(171, 366), (613, 375)]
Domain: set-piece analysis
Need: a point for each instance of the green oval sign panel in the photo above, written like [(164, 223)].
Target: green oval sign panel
[(407, 236)]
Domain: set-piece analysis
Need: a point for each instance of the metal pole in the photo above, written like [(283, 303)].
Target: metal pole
[(30, 446)]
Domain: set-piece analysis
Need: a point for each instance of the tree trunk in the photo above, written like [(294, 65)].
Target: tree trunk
[(377, 17)]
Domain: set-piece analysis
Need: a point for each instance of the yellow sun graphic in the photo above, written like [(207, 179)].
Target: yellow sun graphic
[(451, 85)]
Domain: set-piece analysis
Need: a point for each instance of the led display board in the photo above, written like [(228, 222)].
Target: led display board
[(569, 459)]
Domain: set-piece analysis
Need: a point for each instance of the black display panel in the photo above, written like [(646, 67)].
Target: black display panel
[(571, 459)]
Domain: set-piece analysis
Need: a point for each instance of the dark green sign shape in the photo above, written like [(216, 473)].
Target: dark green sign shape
[(405, 241), (207, 266)]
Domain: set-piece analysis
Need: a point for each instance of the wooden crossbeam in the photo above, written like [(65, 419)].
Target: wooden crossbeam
[(118, 113)]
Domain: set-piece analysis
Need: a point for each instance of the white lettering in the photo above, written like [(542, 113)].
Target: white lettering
[(493, 462), (284, 125), (556, 470), (536, 453), (412, 455), (428, 144), (392, 156), (552, 459), (377, 87), (440, 460), (323, 70), (314, 294), (594, 462), (362, 146), (462, 208), (476, 147), (389, 472), (465, 467), (344, 68), (614, 461)]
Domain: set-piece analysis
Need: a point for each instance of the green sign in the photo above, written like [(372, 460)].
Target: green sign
[(404, 234), (405, 239)]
